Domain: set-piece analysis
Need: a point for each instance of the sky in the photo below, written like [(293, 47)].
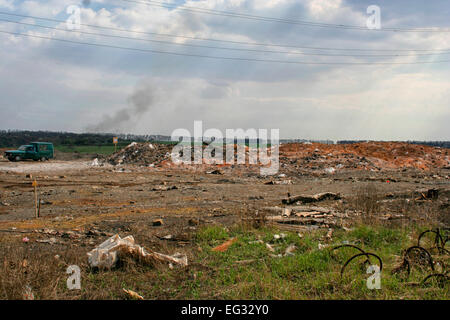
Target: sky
[(361, 84)]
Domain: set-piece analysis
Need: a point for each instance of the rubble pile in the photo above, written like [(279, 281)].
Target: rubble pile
[(304, 217), (316, 157), (141, 154), (365, 156)]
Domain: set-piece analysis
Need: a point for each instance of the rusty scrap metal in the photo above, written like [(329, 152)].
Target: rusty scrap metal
[(406, 263), (445, 278), (359, 255), (439, 243), (362, 253), (438, 240), (348, 246)]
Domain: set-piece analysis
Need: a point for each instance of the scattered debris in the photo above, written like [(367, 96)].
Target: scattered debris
[(49, 241), (271, 249), (164, 188), (215, 172), (95, 163), (286, 212), (279, 236), (430, 194), (330, 170), (157, 222), (315, 198), (133, 294), (329, 234), (280, 182), (290, 250), (224, 246)]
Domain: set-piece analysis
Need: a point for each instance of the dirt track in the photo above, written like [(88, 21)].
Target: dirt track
[(48, 166)]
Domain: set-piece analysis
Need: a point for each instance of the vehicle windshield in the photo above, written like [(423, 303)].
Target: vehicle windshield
[(22, 148)]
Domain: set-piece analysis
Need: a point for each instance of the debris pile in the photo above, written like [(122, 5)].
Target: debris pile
[(141, 154), (375, 156), (298, 157), (315, 198), (310, 217)]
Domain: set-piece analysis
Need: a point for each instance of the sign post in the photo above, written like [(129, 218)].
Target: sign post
[(35, 184), (115, 141)]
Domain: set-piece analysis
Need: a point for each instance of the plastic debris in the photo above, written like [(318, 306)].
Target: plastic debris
[(329, 234), (330, 170), (107, 253), (271, 249), (279, 236), (290, 250), (95, 163)]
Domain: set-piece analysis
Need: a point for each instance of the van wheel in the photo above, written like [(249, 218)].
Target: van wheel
[(17, 158), (43, 159)]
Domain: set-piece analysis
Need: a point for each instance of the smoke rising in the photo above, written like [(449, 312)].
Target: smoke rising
[(139, 103)]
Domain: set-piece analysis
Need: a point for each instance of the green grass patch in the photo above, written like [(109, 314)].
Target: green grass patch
[(249, 270)]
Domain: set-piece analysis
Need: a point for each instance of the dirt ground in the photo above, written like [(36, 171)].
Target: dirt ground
[(82, 203), (78, 194)]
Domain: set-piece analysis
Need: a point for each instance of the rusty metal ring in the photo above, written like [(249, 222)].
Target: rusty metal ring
[(430, 259), (362, 254), (439, 241), (352, 246), (436, 275)]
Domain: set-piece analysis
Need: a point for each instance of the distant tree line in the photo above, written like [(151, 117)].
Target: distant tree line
[(441, 144), (15, 138)]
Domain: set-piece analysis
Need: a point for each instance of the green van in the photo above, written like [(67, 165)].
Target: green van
[(35, 150)]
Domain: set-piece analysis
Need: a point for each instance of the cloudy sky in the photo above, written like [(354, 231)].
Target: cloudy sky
[(360, 84)]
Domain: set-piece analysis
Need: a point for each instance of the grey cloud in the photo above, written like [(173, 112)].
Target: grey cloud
[(300, 100)]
